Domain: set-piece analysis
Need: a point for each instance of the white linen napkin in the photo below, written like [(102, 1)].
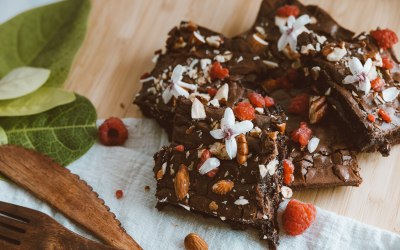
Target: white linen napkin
[(129, 168)]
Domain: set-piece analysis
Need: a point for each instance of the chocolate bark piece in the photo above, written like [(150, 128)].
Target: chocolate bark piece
[(350, 103), (333, 163), (195, 48)]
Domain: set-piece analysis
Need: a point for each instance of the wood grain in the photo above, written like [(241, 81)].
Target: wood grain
[(123, 34), (58, 187)]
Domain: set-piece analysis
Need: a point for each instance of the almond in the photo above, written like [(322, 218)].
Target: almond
[(222, 187), (195, 242), (213, 206), (181, 183), (281, 127), (318, 108), (160, 174)]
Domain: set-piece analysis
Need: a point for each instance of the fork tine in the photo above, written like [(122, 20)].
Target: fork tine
[(17, 212), (10, 236), (12, 224)]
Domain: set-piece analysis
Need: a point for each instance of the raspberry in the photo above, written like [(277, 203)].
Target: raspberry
[(377, 84), (244, 111), (371, 118), (256, 99), (298, 216), (269, 101), (384, 115), (302, 134), (204, 156), (299, 105), (119, 194), (218, 72), (113, 132), (180, 148), (385, 38), (288, 170), (387, 63), (212, 91), (288, 10)]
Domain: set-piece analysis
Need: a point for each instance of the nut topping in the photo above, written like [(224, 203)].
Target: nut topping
[(243, 149), (222, 187), (195, 242), (318, 108), (181, 182)]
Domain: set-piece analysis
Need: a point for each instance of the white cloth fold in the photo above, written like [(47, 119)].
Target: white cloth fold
[(129, 168)]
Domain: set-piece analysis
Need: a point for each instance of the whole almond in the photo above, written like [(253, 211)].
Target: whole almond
[(195, 242), (222, 187), (181, 183)]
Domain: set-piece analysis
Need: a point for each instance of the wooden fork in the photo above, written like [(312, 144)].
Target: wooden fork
[(24, 228)]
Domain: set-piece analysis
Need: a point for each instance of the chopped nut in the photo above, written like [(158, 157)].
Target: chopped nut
[(180, 43), (281, 127), (243, 149), (257, 43), (213, 206), (222, 187), (318, 108), (219, 150), (214, 41)]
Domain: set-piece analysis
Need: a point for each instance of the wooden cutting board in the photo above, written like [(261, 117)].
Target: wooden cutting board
[(123, 35)]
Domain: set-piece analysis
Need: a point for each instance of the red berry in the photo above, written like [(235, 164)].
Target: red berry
[(180, 148), (283, 82), (244, 111), (298, 216), (299, 105), (113, 132), (218, 72), (119, 194), (384, 115), (377, 84), (385, 38), (387, 63), (302, 134), (256, 99), (204, 156), (371, 118), (145, 75), (212, 91), (288, 170), (288, 10), (269, 101)]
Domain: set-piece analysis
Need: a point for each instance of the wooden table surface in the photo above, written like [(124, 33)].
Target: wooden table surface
[(123, 34)]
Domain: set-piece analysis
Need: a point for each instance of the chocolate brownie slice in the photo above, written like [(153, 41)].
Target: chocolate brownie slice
[(202, 172), (206, 61), (362, 85), (327, 160)]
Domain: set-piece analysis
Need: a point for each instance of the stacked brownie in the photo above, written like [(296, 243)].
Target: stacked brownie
[(253, 116)]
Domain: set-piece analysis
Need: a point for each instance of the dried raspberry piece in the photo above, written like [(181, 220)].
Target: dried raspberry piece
[(371, 117), (377, 84), (180, 148), (299, 105), (244, 111), (212, 91), (385, 38), (204, 156), (269, 101), (288, 10), (387, 63), (298, 216), (119, 194), (283, 82), (218, 72), (292, 75), (384, 115), (145, 75), (302, 134), (113, 132), (256, 99), (288, 170)]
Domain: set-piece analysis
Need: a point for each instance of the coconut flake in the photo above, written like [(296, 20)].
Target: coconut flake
[(222, 218), (336, 55), (313, 144), (286, 192), (214, 41), (222, 92), (390, 94), (184, 206), (270, 64), (199, 36), (214, 103), (204, 63), (260, 110), (208, 165), (271, 166), (241, 201), (263, 170), (198, 111), (260, 40)]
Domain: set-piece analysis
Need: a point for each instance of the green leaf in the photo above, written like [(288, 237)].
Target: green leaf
[(46, 37), (39, 101), (22, 81), (64, 133), (3, 137)]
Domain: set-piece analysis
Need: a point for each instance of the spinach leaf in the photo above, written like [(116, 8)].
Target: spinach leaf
[(64, 133), (46, 37)]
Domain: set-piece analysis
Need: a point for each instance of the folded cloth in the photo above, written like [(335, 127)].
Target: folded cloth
[(129, 168)]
